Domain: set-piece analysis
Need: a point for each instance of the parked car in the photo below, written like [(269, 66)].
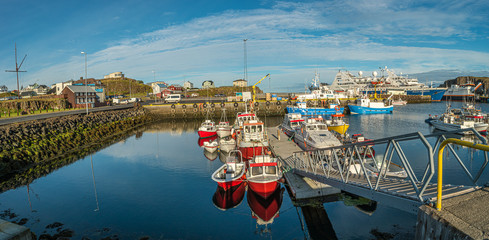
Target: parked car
[(220, 95)]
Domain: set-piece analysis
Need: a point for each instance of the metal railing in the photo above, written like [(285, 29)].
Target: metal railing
[(350, 163), (455, 141)]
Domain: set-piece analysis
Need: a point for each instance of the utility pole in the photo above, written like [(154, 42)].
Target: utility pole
[(245, 73), (17, 69)]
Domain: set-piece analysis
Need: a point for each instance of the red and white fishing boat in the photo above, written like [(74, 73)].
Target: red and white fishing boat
[(223, 127), (230, 198), (207, 129), (252, 139), (263, 175), (230, 174), (241, 118), (265, 210)]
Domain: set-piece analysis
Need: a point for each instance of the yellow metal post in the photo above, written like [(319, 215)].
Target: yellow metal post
[(440, 162)]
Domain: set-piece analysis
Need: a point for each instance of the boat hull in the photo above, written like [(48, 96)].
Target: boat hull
[(250, 152), (341, 129), (223, 132), (436, 94), (263, 189), (207, 134), (354, 109), (451, 127), (313, 111)]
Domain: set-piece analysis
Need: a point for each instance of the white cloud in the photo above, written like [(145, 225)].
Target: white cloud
[(290, 38)]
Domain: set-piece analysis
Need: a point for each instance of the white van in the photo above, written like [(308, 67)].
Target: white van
[(173, 98)]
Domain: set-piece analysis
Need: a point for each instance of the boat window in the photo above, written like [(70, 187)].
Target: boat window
[(253, 129), (260, 129), (322, 127), (270, 170), (247, 129), (256, 171)]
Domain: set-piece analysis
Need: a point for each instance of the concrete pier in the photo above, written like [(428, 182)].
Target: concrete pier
[(10, 230), (301, 187), (462, 217)]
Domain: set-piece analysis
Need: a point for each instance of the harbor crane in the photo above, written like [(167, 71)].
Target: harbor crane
[(254, 91)]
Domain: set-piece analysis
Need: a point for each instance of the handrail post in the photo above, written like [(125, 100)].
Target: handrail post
[(439, 187)]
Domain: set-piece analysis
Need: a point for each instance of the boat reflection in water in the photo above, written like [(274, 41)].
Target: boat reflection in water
[(211, 156), (201, 141), (265, 210), (231, 198)]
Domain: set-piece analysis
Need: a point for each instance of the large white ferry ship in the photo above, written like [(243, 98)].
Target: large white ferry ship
[(461, 92), (388, 82)]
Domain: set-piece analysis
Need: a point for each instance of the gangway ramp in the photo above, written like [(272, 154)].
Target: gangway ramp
[(301, 187), (333, 166)]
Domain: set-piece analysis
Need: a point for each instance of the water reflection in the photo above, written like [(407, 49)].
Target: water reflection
[(211, 156), (230, 198)]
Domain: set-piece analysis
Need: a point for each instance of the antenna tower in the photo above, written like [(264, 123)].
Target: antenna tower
[(17, 69)]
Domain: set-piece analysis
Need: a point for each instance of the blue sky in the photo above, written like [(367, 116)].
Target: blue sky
[(200, 40)]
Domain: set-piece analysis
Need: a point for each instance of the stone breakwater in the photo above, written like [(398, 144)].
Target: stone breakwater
[(26, 145)]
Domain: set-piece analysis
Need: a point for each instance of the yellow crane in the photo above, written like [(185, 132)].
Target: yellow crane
[(254, 92)]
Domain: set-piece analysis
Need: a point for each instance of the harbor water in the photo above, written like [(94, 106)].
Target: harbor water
[(156, 184)]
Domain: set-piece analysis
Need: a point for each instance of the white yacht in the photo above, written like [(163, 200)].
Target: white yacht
[(313, 134)]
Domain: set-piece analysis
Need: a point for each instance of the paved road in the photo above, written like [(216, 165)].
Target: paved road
[(5, 121)]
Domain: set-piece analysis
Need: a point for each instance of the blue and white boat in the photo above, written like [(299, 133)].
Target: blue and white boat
[(435, 93), (302, 109), (365, 106)]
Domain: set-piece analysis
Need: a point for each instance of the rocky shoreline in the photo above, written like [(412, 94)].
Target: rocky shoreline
[(36, 147)]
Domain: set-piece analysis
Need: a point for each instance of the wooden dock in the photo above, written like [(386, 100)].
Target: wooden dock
[(301, 187)]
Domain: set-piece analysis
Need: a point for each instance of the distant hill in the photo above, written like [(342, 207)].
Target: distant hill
[(440, 76), (125, 86)]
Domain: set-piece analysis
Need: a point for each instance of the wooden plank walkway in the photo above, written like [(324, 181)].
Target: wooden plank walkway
[(301, 187)]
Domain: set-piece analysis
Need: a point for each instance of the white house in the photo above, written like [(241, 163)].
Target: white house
[(60, 86), (114, 75), (188, 85), (3, 89), (157, 88), (240, 83)]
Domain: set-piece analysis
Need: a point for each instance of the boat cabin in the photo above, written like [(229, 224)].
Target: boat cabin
[(264, 165), (253, 130), (243, 117)]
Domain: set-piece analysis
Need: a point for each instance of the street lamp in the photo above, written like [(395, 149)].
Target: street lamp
[(86, 86)]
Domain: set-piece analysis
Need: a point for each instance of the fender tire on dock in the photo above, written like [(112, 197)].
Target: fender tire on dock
[(212, 105), (267, 103), (173, 106), (278, 103), (257, 104), (184, 106), (235, 104), (223, 105), (309, 102), (204, 105), (195, 105)]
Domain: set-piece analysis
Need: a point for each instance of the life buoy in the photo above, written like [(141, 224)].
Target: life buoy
[(267, 103), (212, 105), (278, 103), (204, 105), (195, 105), (235, 104), (184, 106), (337, 108), (173, 106)]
